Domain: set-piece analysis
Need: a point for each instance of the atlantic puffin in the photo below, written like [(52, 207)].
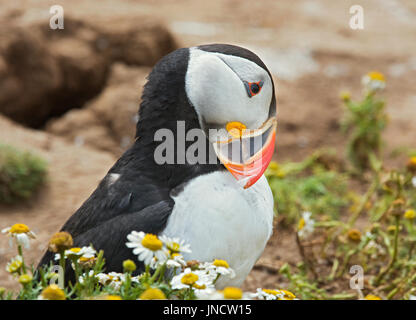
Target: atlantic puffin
[(222, 208)]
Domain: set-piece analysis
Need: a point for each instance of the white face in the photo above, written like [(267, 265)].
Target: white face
[(216, 85)]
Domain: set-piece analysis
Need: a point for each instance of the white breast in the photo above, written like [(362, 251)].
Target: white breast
[(221, 220)]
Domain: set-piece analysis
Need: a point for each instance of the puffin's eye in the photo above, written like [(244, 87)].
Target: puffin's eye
[(253, 88)]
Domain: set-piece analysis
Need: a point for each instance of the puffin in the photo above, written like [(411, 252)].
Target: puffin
[(210, 192)]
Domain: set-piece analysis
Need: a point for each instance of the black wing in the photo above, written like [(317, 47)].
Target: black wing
[(112, 212)]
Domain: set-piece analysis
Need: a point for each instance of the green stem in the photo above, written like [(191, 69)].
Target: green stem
[(394, 256), (162, 273), (154, 276), (333, 270), (364, 200), (62, 263), (19, 249)]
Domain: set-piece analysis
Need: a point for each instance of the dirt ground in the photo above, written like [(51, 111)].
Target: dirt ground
[(312, 53)]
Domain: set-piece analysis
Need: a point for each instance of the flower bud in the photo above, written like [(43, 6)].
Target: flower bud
[(129, 265), (53, 292), (25, 279), (411, 165), (410, 214), (397, 207), (60, 241), (354, 235), (152, 294)]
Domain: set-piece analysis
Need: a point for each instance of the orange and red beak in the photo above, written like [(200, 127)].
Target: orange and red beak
[(251, 151)]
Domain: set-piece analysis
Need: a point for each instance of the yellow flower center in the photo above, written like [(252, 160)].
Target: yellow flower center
[(53, 292), (74, 250), (301, 224), (288, 295), (189, 279), (235, 129), (151, 242), (232, 293), (374, 75), (85, 259), (152, 294), (410, 214), (372, 297), (269, 291), (174, 247), (19, 228), (200, 287), (221, 263)]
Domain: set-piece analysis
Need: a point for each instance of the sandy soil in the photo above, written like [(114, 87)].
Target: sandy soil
[(313, 55)]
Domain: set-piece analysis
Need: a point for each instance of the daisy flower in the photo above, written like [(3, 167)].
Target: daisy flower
[(218, 267), (176, 260), (229, 293), (175, 245), (87, 258), (84, 252), (115, 279), (199, 280), (306, 225), (15, 264), (374, 81), (112, 279), (82, 277), (147, 246), (268, 294), (20, 233)]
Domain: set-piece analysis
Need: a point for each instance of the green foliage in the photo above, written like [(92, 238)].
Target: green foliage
[(376, 232), (364, 122), (21, 174), (307, 186)]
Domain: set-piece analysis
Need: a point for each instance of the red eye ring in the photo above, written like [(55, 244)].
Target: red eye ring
[(253, 88)]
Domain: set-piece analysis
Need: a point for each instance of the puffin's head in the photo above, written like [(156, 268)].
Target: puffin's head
[(233, 95), (224, 90)]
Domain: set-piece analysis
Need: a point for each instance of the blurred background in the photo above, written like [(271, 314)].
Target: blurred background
[(71, 96)]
